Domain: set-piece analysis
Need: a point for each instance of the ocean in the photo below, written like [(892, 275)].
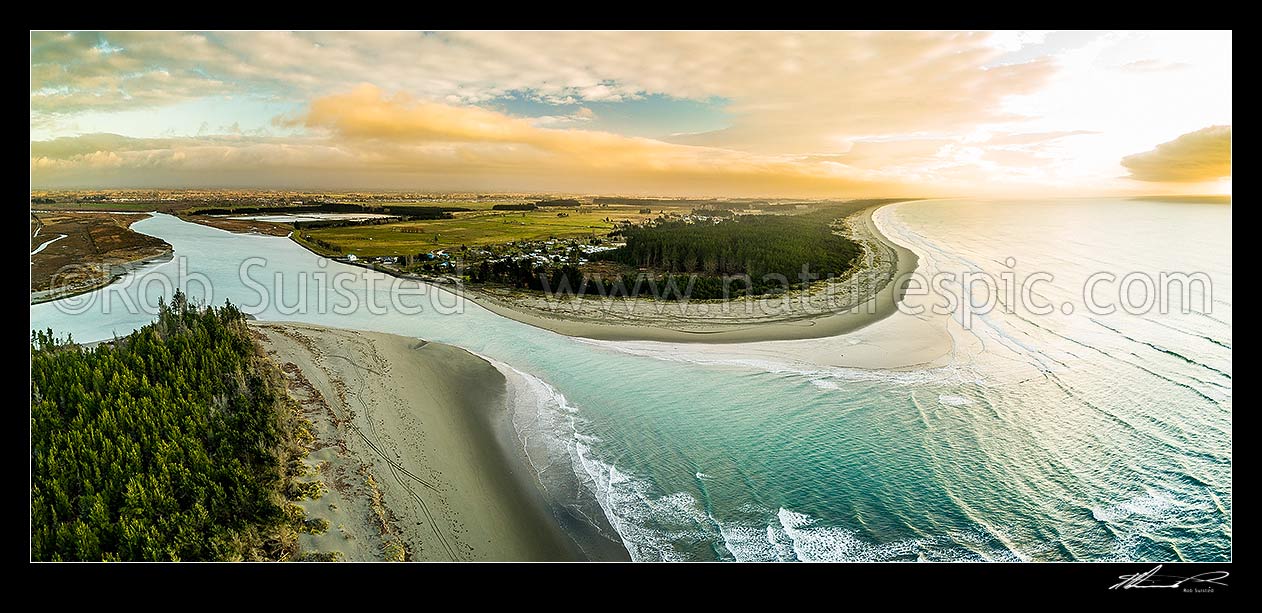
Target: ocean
[(1075, 435)]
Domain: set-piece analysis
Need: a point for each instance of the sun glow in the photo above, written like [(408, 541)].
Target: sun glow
[(684, 113)]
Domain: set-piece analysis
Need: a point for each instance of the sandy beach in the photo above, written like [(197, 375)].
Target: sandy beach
[(867, 294), (407, 450)]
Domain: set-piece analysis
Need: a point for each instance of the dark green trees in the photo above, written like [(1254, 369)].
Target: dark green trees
[(171, 444), (753, 245)]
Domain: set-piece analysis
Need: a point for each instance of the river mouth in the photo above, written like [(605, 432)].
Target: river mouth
[(1060, 437)]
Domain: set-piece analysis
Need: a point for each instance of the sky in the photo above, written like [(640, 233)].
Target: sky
[(671, 113)]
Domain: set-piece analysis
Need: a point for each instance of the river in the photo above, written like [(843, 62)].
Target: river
[(1061, 436)]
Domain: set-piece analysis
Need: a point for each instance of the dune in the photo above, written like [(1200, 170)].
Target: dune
[(406, 449)]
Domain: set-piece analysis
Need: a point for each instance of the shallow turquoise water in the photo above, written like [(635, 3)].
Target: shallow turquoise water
[(1047, 437)]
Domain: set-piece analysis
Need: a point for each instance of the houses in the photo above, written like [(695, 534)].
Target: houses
[(385, 259)]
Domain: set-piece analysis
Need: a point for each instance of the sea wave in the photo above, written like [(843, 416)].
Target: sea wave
[(549, 429), (1137, 523), (794, 536), (650, 526), (676, 526), (953, 400), (1150, 506)]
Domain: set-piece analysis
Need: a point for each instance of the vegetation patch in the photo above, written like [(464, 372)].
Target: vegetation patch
[(178, 442)]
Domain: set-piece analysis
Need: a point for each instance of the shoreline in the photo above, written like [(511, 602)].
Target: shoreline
[(711, 322), (117, 271), (112, 271), (876, 304), (414, 448)]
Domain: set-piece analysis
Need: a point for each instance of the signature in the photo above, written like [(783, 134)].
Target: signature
[(1152, 579)]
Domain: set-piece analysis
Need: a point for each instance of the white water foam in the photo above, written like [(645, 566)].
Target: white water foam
[(650, 526), (542, 417), (953, 400), (749, 543), (548, 428), (817, 543), (1137, 519), (1150, 506), (662, 527), (793, 536)]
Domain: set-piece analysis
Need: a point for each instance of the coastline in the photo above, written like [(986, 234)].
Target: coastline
[(123, 261), (862, 297), (412, 450), (712, 322)]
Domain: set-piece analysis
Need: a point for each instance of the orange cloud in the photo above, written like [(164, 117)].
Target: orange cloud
[(409, 131), (370, 139), (1203, 155)]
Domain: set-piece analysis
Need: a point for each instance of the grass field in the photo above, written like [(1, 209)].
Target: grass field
[(105, 207), (183, 205), (473, 205), (478, 228)]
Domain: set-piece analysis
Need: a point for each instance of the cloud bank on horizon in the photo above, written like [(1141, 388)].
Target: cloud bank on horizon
[(683, 113), (1195, 157)]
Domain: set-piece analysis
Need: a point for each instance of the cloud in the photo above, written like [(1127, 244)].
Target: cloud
[(73, 72), (1203, 155), (369, 138), (548, 121), (368, 117), (1014, 158), (821, 113), (1036, 137), (1014, 40), (788, 91), (1153, 65), (813, 91)]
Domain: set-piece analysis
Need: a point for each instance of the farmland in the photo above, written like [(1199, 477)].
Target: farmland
[(479, 228)]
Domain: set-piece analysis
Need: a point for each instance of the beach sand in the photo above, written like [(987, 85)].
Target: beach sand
[(870, 295), (889, 339), (898, 342), (409, 447)]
